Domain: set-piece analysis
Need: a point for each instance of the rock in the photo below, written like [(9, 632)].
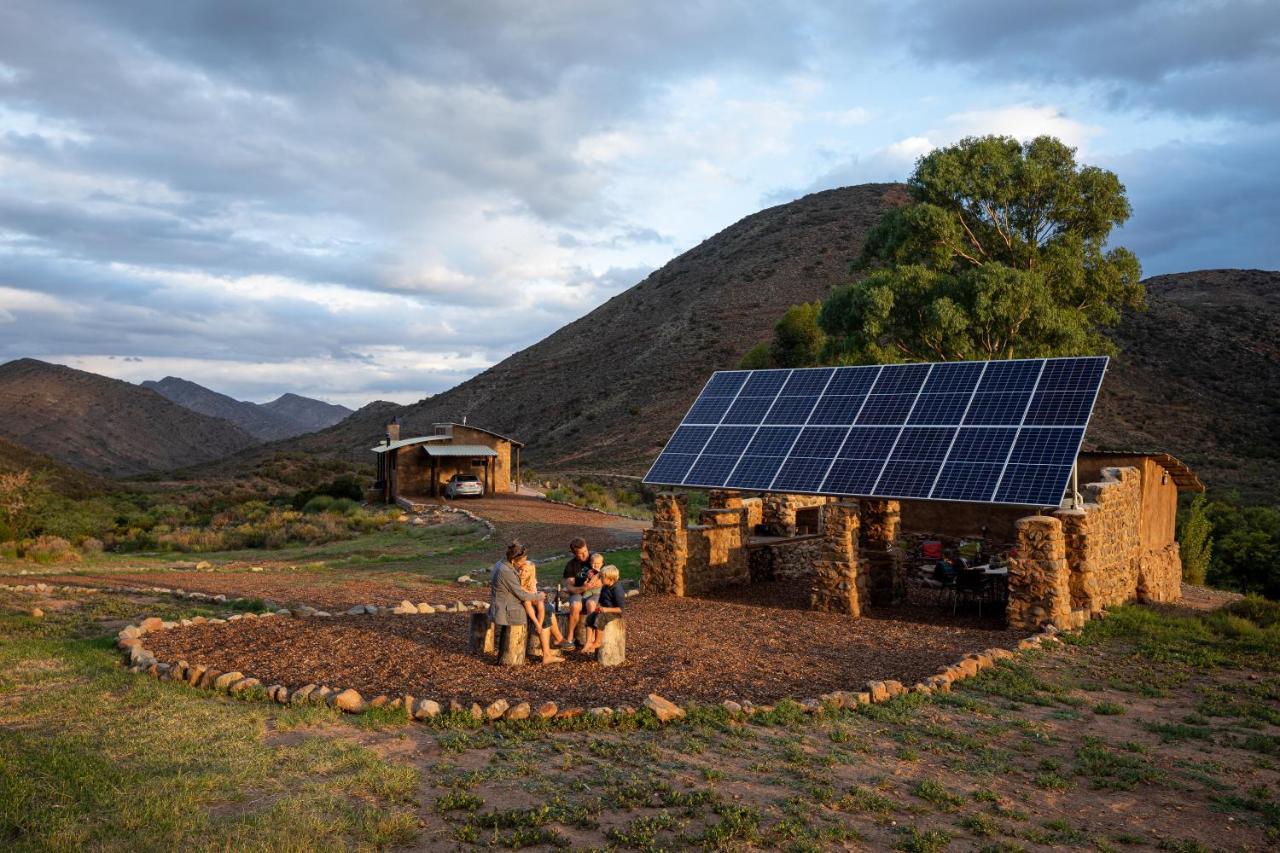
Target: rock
[(37, 613), (255, 568), (406, 607), (811, 706), (245, 684), (426, 709), (458, 607), (456, 707), (379, 701), (632, 592), (465, 579), (547, 710), (496, 709), (601, 712), (732, 707), (663, 709), (423, 607), (320, 696), (207, 680), (203, 565), (477, 604), (519, 712), (568, 713), (877, 691), (302, 694), (195, 673), (895, 688), (224, 681), (153, 623), (278, 693), (477, 713), (349, 701)]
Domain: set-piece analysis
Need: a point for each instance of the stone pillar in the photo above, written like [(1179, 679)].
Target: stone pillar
[(726, 561), (1081, 562), (1039, 582), (664, 549), (724, 499), (882, 561), (837, 586)]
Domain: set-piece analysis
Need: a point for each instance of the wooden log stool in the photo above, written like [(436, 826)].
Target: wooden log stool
[(483, 639), (534, 648), (512, 642), (613, 639)]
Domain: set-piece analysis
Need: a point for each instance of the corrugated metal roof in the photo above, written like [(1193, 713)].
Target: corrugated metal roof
[(408, 442), (459, 450)]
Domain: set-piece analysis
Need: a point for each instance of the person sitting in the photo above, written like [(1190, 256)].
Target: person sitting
[(540, 619), (578, 563), (945, 570), (612, 596), (590, 583), (507, 596)]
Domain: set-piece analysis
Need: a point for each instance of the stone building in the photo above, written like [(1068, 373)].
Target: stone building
[(1117, 546), (419, 467)]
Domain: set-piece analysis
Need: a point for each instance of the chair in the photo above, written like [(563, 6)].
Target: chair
[(971, 586)]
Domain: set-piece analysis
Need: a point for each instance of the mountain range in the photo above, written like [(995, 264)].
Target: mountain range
[(284, 417)]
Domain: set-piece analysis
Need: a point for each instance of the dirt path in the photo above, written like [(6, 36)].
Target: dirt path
[(546, 528)]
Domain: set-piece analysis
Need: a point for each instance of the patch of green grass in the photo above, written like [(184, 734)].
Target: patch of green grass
[(929, 841), (1108, 709), (642, 833), (1107, 768), (932, 791)]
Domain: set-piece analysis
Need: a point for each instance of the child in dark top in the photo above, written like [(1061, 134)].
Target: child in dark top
[(612, 596)]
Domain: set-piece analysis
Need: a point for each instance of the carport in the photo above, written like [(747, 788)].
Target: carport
[(461, 459)]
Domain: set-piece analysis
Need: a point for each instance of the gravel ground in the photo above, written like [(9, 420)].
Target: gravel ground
[(760, 645), (545, 528)]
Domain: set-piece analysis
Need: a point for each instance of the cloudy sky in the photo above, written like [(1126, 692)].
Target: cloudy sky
[(376, 200)]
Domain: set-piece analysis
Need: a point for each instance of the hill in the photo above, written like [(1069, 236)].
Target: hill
[(306, 414), (1197, 375), (604, 391), (284, 417), (105, 426), (61, 478)]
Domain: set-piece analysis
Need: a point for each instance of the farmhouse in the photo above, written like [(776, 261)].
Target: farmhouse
[(420, 466)]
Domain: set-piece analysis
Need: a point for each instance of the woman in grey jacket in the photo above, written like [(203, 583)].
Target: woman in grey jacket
[(507, 597)]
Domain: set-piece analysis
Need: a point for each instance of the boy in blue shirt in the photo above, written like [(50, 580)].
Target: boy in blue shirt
[(611, 598)]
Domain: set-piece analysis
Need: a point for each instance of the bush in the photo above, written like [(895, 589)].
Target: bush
[(320, 503), (344, 506), (1246, 547), (50, 549), (1195, 542), (90, 545)]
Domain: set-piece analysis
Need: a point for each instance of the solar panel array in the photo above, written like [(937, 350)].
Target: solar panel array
[(983, 431)]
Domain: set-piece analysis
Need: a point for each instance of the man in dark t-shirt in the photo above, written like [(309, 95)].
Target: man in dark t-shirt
[(578, 564)]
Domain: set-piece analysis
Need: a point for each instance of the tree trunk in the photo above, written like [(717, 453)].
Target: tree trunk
[(613, 639), (511, 642), (482, 640)]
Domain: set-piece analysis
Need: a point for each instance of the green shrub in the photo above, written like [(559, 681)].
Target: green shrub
[(344, 506), (50, 549), (1195, 542), (320, 503)]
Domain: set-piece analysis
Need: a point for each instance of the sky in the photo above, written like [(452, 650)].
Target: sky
[(379, 200)]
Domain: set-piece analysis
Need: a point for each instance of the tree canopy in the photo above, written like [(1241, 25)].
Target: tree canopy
[(1001, 253)]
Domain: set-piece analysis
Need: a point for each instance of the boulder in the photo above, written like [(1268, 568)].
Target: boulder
[(477, 713), (358, 610), (203, 565), (518, 712), (349, 701), (278, 693), (153, 623), (405, 608), (245, 684), (423, 607), (207, 680), (665, 710), (426, 709), (496, 709), (302, 694), (877, 691), (732, 707), (464, 579), (37, 613), (379, 701), (568, 713), (456, 707), (547, 710), (223, 682)]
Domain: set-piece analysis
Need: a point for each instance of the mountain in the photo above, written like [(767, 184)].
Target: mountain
[(106, 426), (603, 392), (1197, 375), (306, 414), (60, 478), (285, 417)]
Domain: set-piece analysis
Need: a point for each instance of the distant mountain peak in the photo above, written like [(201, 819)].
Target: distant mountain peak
[(285, 417)]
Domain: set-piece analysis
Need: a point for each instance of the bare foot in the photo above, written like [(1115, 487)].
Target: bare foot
[(552, 658)]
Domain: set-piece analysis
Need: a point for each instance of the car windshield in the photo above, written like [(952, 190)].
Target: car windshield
[(468, 478)]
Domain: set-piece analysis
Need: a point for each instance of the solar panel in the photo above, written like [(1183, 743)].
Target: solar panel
[(975, 431)]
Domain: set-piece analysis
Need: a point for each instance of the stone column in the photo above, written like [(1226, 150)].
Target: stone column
[(1039, 583), (837, 582), (882, 562), (724, 499), (1081, 563), (727, 565), (664, 548)]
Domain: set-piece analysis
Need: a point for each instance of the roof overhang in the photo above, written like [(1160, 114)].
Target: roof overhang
[(446, 450), (408, 442), (479, 429), (1181, 474)]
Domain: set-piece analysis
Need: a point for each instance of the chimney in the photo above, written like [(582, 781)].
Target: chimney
[(393, 430)]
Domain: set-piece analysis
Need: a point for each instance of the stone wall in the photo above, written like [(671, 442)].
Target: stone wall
[(882, 560), (1039, 577), (838, 585), (778, 512), (789, 559), (664, 547), (682, 559)]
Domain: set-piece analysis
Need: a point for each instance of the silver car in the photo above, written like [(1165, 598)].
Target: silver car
[(464, 484)]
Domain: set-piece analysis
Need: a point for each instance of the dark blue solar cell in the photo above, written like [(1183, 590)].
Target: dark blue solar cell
[(907, 479), (999, 409), (939, 409), (710, 470), (1072, 374), (765, 383), (730, 440), (953, 377), (966, 481), (773, 441), (791, 410), (1069, 409), (708, 410), (869, 443), (800, 474), (754, 472), (822, 442), (900, 379), (886, 408), (689, 439), (725, 383), (852, 477), (1004, 376), (808, 382), (983, 444), (855, 381), (748, 410), (1033, 485), (923, 444), (670, 468), (836, 410), (1049, 446)]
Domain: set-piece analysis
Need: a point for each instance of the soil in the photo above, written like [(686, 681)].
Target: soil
[(545, 528), (761, 644)]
